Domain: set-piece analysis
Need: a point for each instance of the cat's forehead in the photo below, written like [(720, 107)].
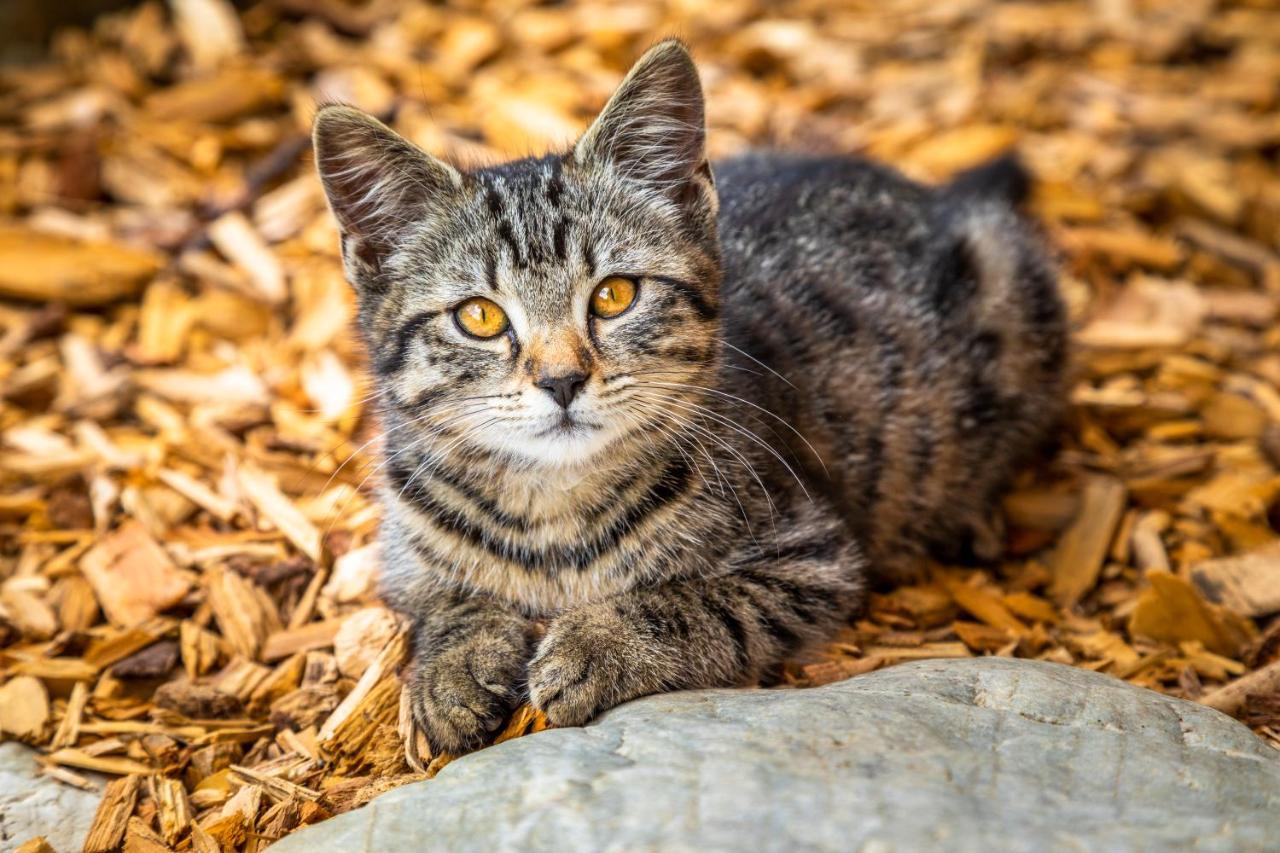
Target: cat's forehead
[(531, 178), (540, 229), (526, 223)]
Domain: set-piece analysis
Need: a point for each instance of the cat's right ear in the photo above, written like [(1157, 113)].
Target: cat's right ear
[(379, 185)]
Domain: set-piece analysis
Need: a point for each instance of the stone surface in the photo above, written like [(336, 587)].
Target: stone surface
[(958, 755), (31, 804)]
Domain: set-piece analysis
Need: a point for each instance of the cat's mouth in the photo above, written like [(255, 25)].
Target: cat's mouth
[(567, 425)]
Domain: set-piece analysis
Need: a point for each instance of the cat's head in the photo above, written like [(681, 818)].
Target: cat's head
[(549, 308)]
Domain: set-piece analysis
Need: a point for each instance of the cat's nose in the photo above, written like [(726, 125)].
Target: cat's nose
[(562, 388)]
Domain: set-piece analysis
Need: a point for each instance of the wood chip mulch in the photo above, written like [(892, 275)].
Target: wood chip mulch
[(186, 529)]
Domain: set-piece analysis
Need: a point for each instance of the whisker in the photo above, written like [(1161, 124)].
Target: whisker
[(720, 477), (758, 361), (383, 433), (721, 442), (738, 428), (758, 408), (411, 445)]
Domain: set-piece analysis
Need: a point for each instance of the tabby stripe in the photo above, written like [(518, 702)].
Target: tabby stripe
[(494, 201), (733, 627), (1040, 293), (505, 231), (924, 447), (427, 398), (820, 550), (403, 337), (509, 237), (491, 272), (953, 281), (559, 239), (889, 356), (984, 403), (819, 301), (555, 184), (659, 624), (492, 512), (696, 300), (672, 484), (796, 598), (486, 506), (782, 633)]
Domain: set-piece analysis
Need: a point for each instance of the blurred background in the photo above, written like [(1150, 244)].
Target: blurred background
[(182, 401)]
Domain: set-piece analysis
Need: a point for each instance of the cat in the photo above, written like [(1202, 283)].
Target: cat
[(651, 425)]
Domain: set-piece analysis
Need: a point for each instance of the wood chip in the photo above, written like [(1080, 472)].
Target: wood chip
[(83, 760), (236, 238), (1078, 558), (245, 614), (35, 845), (266, 496), (1230, 697), (24, 708), (1248, 584), (68, 732), (199, 494), (133, 577), (173, 808), (45, 268), (316, 635), (112, 818), (1172, 610)]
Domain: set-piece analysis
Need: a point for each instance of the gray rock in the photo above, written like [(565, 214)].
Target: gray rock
[(31, 804), (958, 755)]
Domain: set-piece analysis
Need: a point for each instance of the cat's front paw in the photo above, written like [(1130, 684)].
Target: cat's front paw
[(590, 660), (463, 693)]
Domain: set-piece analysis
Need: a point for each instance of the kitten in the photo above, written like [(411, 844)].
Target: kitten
[(678, 418)]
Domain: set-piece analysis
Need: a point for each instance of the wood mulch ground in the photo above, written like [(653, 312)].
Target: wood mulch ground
[(185, 521)]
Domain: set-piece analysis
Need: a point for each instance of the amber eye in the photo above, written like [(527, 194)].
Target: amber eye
[(480, 318), (613, 296)]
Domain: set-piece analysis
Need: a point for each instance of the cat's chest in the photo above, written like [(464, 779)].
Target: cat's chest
[(545, 544)]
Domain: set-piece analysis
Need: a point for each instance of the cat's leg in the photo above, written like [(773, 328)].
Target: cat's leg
[(468, 667), (697, 632)]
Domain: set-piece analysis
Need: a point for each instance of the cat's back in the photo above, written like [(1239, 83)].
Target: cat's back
[(808, 212), (913, 334)]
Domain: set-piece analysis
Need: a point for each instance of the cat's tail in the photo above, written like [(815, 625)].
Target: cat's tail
[(991, 270), (1004, 178)]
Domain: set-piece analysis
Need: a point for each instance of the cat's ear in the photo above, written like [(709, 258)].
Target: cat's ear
[(653, 130), (378, 183)]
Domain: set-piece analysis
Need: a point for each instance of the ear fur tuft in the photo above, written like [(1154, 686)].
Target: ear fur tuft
[(653, 130), (377, 182)]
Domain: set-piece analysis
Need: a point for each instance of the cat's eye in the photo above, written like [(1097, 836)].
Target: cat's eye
[(480, 318), (613, 296)]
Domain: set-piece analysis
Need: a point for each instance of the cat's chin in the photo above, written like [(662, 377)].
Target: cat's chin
[(554, 446)]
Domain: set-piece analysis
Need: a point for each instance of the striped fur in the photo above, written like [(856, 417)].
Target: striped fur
[(827, 371)]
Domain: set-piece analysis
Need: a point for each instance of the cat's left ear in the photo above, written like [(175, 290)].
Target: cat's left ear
[(653, 130)]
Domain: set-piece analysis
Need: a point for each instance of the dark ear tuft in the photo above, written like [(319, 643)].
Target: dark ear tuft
[(377, 182), (653, 130)]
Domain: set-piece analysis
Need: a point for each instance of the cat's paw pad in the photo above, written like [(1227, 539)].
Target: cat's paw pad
[(587, 663), (462, 694)]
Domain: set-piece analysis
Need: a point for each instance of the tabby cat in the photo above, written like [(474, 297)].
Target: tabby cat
[(650, 425)]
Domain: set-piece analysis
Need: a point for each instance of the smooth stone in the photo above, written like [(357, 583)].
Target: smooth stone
[(982, 754), (32, 804)]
